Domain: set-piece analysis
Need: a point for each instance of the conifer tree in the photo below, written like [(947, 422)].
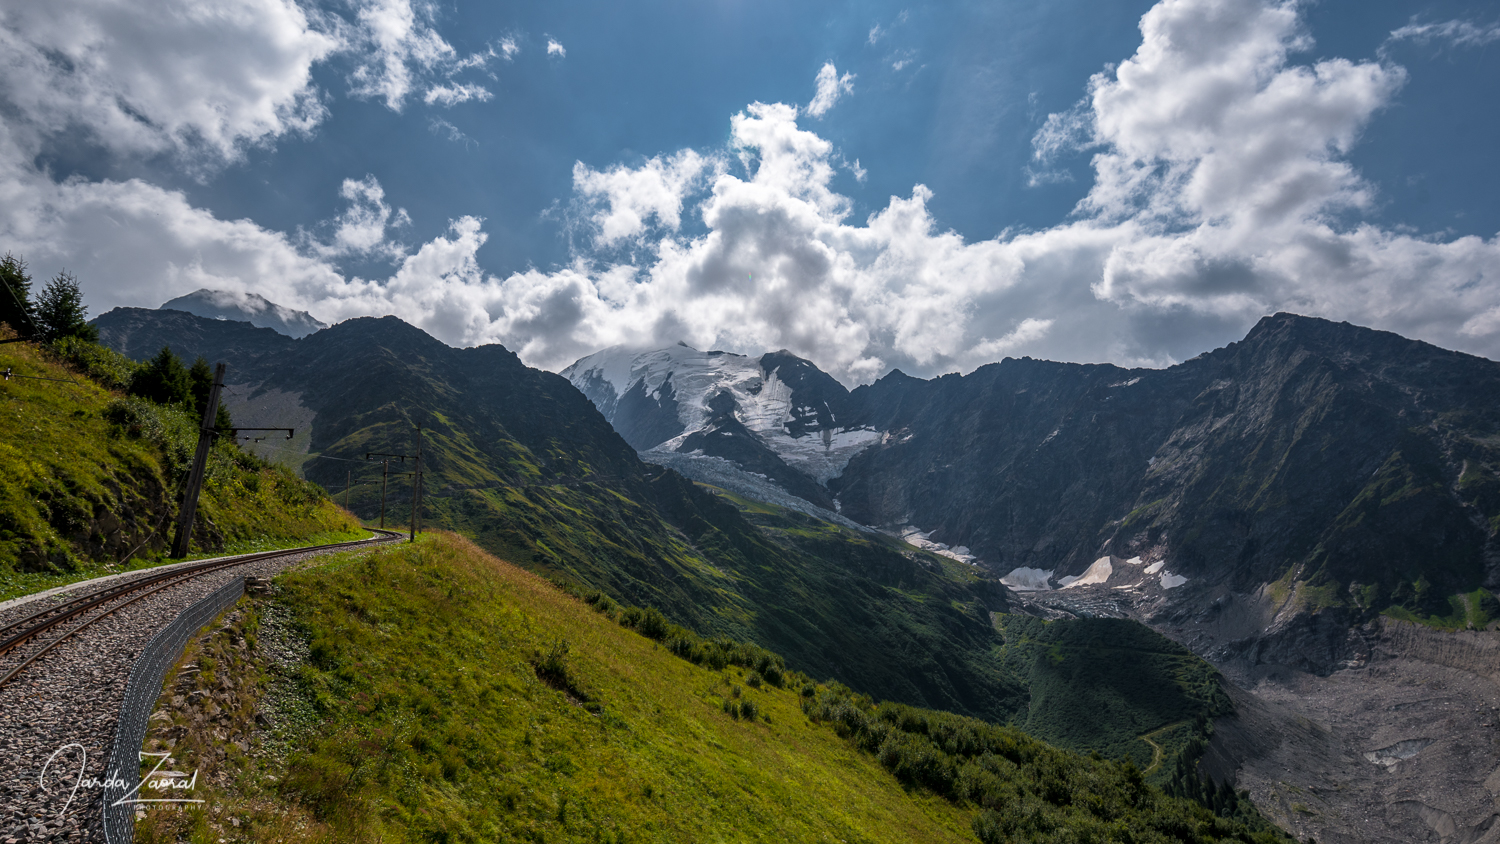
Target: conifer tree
[(201, 376), (164, 380), (60, 311), (15, 299)]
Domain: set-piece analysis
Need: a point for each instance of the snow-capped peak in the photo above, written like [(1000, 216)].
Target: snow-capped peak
[(638, 390)]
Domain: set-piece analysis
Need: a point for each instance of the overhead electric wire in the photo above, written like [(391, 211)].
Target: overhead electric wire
[(308, 455)]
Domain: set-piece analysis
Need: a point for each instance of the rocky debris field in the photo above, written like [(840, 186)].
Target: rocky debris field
[(1386, 733)]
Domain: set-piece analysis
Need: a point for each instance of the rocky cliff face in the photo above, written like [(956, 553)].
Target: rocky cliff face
[(1316, 472), (140, 333), (1321, 452)]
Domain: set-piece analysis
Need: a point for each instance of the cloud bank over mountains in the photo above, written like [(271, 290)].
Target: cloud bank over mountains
[(1221, 191)]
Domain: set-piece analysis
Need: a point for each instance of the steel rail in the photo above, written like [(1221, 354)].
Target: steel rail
[(44, 620)]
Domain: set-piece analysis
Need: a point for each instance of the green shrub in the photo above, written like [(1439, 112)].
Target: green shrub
[(553, 669), (101, 363), (1028, 790), (716, 654), (1488, 606)]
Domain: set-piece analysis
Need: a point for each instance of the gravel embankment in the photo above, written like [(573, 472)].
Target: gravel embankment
[(63, 709)]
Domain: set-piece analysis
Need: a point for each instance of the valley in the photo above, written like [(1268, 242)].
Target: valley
[(1312, 510), (1399, 742), (510, 709), (1299, 509)]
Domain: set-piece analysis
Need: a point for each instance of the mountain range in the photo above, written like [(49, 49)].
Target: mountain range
[(1355, 465), (522, 462), (1274, 506)]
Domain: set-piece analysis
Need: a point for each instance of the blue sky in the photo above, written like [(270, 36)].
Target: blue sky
[(872, 185)]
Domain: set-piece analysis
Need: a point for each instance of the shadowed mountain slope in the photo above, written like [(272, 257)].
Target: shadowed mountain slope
[(520, 460), (1354, 456)]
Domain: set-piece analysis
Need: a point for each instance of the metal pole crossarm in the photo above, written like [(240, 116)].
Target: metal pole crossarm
[(235, 432), (385, 472)]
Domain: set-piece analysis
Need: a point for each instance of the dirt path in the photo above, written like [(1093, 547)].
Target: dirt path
[(1157, 754)]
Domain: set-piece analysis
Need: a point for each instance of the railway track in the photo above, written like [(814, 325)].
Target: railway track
[(67, 619), (65, 660)]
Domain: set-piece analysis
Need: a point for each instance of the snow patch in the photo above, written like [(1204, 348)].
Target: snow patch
[(1172, 581), (1398, 752), (1155, 567), (1134, 561), (1028, 580), (915, 536), (1099, 572)]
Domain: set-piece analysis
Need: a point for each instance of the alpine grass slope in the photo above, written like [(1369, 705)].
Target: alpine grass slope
[(521, 462)]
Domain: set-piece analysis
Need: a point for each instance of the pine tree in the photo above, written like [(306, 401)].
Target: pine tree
[(164, 380), (60, 311), (201, 376), (15, 299)]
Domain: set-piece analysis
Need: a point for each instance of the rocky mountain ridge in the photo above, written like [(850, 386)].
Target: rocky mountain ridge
[(1261, 504), (253, 308), (1356, 463), (520, 461), (776, 417)]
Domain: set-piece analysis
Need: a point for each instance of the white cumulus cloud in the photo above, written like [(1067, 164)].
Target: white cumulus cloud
[(361, 230), (160, 75), (556, 49), (1221, 190), (622, 199), (402, 53), (1220, 180), (831, 86)]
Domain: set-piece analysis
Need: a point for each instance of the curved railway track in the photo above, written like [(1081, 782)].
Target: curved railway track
[(90, 608), (64, 660)]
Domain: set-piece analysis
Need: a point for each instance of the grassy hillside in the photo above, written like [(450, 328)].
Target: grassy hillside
[(522, 463), (835, 602), (449, 696), (90, 478)]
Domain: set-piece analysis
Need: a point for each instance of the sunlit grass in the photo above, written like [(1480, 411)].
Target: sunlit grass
[(77, 460)]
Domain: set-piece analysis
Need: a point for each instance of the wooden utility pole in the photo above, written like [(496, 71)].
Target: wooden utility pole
[(416, 485), (185, 516), (385, 472)]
